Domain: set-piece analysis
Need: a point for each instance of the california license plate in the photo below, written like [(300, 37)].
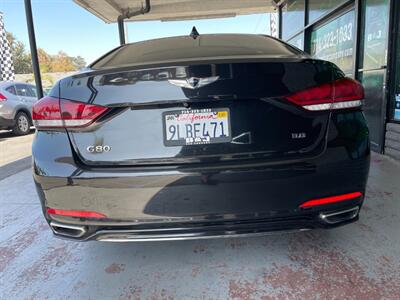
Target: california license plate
[(196, 126)]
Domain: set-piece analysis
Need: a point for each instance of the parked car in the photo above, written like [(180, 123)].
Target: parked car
[(240, 135), (16, 101)]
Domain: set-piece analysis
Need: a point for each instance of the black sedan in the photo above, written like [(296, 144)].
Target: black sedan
[(201, 136)]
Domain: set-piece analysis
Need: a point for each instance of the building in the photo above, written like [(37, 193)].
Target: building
[(363, 38)]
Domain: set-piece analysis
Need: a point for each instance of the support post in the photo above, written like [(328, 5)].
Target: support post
[(32, 44), (280, 21), (121, 30)]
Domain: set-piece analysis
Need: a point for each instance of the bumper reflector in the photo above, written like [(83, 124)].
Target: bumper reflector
[(75, 213), (332, 199)]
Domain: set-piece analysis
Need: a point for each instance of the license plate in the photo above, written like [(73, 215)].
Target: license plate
[(196, 126)]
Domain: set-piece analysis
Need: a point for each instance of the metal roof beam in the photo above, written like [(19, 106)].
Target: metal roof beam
[(32, 44)]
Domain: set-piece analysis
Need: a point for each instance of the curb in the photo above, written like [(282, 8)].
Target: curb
[(15, 167)]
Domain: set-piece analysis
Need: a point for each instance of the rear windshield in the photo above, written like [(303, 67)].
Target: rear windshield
[(185, 48)]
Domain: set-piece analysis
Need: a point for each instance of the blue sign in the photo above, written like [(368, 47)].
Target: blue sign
[(397, 108)]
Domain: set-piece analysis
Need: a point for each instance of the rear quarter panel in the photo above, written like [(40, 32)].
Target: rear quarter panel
[(10, 107)]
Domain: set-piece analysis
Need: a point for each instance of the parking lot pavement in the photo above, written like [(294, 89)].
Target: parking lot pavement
[(13, 148), (358, 261)]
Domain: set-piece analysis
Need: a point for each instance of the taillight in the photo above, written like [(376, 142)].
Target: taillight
[(341, 94), (2, 97), (53, 113)]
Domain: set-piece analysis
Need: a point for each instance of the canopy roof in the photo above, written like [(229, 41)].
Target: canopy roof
[(174, 10)]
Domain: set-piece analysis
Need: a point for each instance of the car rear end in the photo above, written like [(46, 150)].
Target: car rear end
[(16, 101), (6, 106), (198, 145)]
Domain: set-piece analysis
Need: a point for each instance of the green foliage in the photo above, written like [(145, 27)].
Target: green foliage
[(60, 62), (22, 60), (79, 62)]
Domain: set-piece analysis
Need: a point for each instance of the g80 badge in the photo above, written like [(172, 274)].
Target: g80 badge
[(98, 149)]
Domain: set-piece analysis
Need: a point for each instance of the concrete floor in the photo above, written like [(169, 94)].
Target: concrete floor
[(14, 147), (358, 261)]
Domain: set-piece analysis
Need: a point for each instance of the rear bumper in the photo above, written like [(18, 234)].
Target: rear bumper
[(207, 229), (192, 202), (202, 200)]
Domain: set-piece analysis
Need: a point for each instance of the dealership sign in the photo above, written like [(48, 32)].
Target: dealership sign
[(335, 41)]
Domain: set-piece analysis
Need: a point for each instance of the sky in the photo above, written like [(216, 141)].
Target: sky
[(63, 25)]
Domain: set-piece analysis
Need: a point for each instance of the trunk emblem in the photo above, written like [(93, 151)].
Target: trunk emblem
[(98, 149), (299, 135), (193, 82)]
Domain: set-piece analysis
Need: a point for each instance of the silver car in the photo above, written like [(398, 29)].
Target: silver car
[(16, 101)]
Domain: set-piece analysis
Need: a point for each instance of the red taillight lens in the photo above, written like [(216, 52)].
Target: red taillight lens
[(52, 113), (77, 114), (332, 199), (75, 213), (47, 109), (341, 94), (315, 95), (347, 89), (2, 97)]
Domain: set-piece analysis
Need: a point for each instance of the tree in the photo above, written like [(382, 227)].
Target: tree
[(45, 61), (60, 62), (79, 62), (22, 60)]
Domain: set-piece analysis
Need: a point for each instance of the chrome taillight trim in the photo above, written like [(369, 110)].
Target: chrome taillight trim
[(346, 104), (48, 123), (317, 107), (61, 123), (334, 105)]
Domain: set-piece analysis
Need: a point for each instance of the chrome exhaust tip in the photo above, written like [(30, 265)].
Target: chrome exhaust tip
[(68, 230), (339, 216)]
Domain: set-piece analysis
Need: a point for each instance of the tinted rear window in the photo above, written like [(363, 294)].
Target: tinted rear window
[(22, 90), (32, 91), (11, 90), (186, 48)]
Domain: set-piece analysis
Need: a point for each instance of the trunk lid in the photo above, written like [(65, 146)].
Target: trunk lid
[(261, 124)]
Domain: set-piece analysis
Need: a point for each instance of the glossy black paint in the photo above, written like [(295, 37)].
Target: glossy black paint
[(251, 91), (261, 181)]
